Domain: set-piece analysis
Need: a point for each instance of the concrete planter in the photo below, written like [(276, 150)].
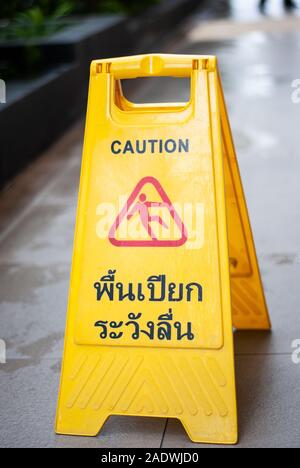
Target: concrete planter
[(38, 110)]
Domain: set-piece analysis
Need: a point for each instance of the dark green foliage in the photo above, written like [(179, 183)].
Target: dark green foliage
[(9, 9), (34, 22)]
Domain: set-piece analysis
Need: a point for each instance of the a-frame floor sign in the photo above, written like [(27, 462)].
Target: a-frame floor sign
[(164, 260)]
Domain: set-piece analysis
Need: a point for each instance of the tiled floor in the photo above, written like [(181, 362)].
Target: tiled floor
[(37, 215)]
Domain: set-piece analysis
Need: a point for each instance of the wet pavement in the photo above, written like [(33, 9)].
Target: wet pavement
[(259, 60)]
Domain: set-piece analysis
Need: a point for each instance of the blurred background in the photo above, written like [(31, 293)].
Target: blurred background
[(45, 51)]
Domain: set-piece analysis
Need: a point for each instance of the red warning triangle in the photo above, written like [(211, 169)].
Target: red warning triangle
[(138, 205)]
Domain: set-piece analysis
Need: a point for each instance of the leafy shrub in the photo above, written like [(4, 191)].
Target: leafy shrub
[(34, 23), (9, 9)]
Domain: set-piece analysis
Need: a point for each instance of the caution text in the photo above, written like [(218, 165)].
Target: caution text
[(151, 146)]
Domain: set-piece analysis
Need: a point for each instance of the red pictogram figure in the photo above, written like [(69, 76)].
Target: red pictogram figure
[(138, 203)]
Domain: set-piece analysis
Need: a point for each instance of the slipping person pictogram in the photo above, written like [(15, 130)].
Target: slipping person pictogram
[(138, 203), (143, 207)]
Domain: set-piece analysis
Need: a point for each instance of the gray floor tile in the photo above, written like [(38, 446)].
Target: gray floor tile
[(27, 403), (282, 292), (268, 405), (120, 432), (28, 395), (32, 318)]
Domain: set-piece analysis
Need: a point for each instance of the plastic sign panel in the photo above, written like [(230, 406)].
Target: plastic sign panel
[(164, 261)]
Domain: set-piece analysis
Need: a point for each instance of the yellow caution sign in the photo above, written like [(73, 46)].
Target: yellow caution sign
[(163, 259)]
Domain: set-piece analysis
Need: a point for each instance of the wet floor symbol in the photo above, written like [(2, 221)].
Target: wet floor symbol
[(158, 218)]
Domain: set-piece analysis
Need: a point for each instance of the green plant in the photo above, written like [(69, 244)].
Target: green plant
[(9, 9), (35, 23)]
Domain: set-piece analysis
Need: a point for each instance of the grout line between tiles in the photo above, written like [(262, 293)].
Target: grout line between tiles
[(164, 433)]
